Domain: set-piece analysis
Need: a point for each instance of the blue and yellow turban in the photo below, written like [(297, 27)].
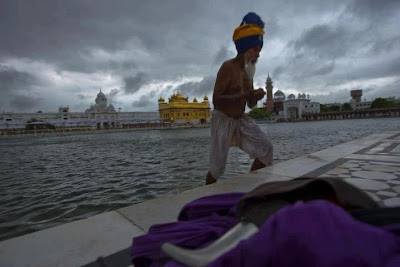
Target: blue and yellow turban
[(249, 34)]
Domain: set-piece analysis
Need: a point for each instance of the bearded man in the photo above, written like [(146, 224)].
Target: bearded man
[(232, 91)]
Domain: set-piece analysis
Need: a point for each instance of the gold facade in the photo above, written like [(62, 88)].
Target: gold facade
[(179, 110)]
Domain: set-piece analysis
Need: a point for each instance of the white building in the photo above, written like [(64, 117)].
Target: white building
[(104, 115), (356, 102), (99, 115), (294, 108)]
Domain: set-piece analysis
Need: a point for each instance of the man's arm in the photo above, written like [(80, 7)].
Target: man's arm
[(251, 100), (253, 96), (222, 85)]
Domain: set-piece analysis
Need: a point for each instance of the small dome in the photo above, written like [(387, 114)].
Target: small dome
[(161, 99), (111, 108), (101, 94), (279, 96), (205, 98), (178, 98), (194, 100), (291, 97)]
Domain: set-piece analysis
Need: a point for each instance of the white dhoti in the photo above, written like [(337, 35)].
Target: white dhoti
[(243, 133)]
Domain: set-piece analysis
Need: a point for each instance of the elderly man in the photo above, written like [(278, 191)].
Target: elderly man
[(233, 89)]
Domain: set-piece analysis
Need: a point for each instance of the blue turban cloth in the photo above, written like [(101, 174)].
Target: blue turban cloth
[(249, 34)]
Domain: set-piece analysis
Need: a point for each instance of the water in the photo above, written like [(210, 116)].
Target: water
[(47, 181)]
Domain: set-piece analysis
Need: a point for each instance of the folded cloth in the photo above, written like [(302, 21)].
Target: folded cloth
[(315, 233), (221, 204), (201, 222), (336, 191)]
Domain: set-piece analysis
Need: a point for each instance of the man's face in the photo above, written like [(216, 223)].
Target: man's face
[(252, 54), (251, 57)]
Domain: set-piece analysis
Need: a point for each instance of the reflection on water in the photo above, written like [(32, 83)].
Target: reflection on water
[(46, 181)]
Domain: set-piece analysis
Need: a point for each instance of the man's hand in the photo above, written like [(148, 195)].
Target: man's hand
[(259, 94)]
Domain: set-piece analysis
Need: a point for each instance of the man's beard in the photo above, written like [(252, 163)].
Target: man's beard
[(250, 68)]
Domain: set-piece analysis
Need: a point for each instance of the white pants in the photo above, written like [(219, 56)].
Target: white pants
[(242, 132)]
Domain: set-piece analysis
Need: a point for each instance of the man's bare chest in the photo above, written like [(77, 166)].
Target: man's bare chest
[(240, 82)]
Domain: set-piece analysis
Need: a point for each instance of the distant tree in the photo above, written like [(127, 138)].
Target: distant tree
[(335, 108), (346, 107), (383, 103), (393, 104), (32, 120), (324, 108), (259, 114)]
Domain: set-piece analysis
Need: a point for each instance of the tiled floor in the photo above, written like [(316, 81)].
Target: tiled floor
[(380, 179)]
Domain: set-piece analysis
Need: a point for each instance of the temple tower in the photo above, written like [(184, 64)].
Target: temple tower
[(270, 99)]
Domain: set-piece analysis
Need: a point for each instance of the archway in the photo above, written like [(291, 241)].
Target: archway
[(293, 112)]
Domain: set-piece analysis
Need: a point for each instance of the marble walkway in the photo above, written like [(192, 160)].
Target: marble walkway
[(371, 163)]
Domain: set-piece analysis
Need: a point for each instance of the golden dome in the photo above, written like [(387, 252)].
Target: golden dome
[(178, 98), (194, 100), (205, 98), (161, 99)]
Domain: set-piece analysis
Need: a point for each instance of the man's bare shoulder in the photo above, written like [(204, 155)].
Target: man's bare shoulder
[(228, 64), (227, 68)]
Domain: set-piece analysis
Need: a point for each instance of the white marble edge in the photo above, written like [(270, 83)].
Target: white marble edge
[(166, 209), (307, 163), (72, 244)]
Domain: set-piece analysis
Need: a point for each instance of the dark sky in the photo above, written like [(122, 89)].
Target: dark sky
[(55, 53)]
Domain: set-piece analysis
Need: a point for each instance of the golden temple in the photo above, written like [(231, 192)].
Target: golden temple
[(179, 110)]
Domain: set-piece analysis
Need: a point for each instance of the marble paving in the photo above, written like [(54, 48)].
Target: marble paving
[(379, 179)]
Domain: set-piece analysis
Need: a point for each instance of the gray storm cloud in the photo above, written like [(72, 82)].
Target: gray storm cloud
[(309, 45)]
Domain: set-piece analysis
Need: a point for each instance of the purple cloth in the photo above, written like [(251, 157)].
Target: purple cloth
[(222, 204), (201, 222), (315, 233)]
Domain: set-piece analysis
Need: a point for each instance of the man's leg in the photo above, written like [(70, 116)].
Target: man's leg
[(210, 179), (257, 164), (255, 143), (222, 130)]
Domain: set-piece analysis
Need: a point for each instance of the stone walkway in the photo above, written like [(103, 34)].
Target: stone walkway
[(371, 163), (375, 169)]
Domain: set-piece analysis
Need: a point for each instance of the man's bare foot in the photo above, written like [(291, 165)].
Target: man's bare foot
[(257, 164), (210, 179)]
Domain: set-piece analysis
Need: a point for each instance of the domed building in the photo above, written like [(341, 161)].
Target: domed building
[(104, 115), (294, 108), (290, 107), (279, 96), (179, 110)]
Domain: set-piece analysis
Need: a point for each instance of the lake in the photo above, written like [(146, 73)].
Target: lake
[(50, 180)]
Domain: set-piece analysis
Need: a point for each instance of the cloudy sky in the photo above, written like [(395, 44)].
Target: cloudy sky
[(55, 53)]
